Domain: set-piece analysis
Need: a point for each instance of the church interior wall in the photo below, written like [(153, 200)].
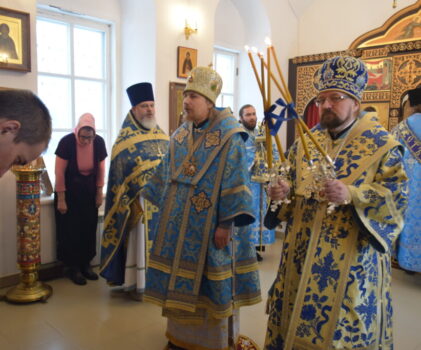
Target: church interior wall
[(16, 80), (146, 49), (332, 25)]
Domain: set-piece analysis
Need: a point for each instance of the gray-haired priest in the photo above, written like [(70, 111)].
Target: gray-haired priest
[(129, 219)]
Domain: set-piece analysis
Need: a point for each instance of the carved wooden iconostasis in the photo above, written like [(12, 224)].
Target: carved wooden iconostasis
[(392, 54)]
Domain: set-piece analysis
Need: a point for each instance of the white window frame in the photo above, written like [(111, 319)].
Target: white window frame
[(232, 53), (75, 20)]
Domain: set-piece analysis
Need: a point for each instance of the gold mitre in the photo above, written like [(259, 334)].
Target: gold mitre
[(206, 82)]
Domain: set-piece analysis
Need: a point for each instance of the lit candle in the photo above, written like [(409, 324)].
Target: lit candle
[(262, 74), (278, 85), (4, 57), (269, 44), (266, 107), (254, 68), (299, 120), (275, 58)]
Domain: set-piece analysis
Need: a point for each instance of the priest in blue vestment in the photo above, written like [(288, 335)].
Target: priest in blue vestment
[(408, 132), (258, 233), (198, 273), (127, 238)]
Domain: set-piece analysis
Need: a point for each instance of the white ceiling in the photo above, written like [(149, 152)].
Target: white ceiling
[(300, 6)]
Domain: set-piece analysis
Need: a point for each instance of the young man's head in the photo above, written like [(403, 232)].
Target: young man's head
[(248, 117), (202, 89), (25, 128)]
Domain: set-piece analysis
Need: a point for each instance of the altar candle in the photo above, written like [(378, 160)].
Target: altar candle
[(254, 68), (299, 120), (262, 74), (275, 58), (268, 42)]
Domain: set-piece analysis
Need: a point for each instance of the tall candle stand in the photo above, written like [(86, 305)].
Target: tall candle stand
[(29, 288)]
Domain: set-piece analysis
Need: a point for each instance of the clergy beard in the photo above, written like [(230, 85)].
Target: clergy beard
[(148, 123), (330, 120), (249, 126)]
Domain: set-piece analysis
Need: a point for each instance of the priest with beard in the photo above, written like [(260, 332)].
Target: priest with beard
[(258, 234), (333, 287), (128, 218)]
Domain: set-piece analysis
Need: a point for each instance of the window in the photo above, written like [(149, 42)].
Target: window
[(73, 74), (225, 63)]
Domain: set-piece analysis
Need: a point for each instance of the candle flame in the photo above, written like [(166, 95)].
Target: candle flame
[(254, 49), (4, 57), (268, 42), (247, 48)]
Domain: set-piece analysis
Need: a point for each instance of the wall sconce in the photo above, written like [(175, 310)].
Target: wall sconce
[(189, 30)]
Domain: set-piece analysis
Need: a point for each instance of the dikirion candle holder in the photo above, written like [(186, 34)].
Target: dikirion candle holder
[(321, 173), (28, 207)]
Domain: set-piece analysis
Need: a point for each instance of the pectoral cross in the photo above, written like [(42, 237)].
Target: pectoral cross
[(160, 154)]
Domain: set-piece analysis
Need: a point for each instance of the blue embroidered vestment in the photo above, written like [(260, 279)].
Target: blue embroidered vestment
[(332, 290), (135, 155), (409, 245), (202, 181)]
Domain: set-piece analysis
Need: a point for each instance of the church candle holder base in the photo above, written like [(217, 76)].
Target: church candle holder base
[(29, 289)]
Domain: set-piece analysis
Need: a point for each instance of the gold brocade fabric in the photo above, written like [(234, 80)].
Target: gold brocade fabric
[(332, 290), (136, 153), (203, 181)]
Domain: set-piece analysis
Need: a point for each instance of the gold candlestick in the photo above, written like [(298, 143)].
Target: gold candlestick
[(29, 288)]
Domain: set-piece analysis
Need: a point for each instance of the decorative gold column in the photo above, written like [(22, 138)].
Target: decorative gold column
[(28, 237)]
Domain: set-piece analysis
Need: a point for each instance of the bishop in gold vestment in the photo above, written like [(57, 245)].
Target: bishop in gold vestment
[(332, 290)]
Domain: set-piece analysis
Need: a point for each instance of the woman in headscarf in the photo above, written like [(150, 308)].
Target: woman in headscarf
[(80, 169)]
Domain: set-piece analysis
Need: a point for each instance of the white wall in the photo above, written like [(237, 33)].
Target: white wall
[(259, 19), (138, 46), (230, 34), (229, 26), (170, 16), (332, 25)]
